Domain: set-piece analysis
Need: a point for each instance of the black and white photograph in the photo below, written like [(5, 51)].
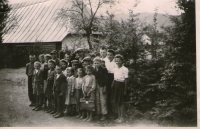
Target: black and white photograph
[(98, 63)]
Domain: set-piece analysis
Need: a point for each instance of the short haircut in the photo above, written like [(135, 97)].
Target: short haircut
[(64, 61), (52, 61), (103, 48), (89, 67), (119, 56), (71, 69), (111, 51), (31, 55), (47, 56), (37, 63), (97, 59), (41, 55)]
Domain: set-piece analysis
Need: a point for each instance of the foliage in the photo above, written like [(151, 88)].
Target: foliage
[(4, 10), (83, 13)]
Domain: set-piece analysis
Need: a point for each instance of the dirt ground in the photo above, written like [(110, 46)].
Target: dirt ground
[(15, 112)]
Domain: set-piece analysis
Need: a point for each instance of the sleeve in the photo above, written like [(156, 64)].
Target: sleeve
[(126, 73), (26, 69), (83, 84), (73, 83), (64, 85), (93, 83)]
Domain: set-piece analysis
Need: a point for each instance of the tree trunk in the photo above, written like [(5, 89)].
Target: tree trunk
[(89, 41)]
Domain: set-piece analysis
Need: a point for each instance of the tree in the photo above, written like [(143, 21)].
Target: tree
[(179, 77), (4, 10), (83, 14)]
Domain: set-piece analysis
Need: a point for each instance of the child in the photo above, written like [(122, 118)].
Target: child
[(101, 74), (75, 66), (60, 85), (42, 68), (47, 57), (38, 85), (70, 99), (29, 73), (54, 57), (88, 87), (50, 82), (63, 65), (119, 88), (86, 61), (78, 90)]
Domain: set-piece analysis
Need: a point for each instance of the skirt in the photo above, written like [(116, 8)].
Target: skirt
[(117, 95)]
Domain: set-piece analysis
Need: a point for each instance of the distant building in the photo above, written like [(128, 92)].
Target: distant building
[(35, 23)]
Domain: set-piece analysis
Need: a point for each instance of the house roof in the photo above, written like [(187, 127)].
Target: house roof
[(35, 21)]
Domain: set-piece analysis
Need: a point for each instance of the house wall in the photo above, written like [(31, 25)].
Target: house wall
[(17, 54)]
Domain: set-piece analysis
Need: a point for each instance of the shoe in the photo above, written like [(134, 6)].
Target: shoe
[(119, 120), (38, 109), (56, 113), (52, 112), (59, 115), (89, 119), (103, 118), (31, 105), (35, 108), (49, 110)]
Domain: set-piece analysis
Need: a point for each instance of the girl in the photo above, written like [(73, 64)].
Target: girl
[(88, 87), (78, 90), (119, 87), (70, 99)]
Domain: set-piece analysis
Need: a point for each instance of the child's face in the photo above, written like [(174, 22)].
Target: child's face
[(103, 53), (69, 72), (51, 65), (110, 55), (118, 61), (88, 71), (85, 63), (46, 59), (37, 66), (63, 65), (103, 64), (80, 72), (41, 59), (67, 57), (54, 56), (58, 70), (32, 59), (97, 63)]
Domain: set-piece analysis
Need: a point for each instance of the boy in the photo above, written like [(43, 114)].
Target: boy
[(60, 85), (50, 82), (54, 57), (110, 66), (119, 88), (38, 85), (29, 73), (101, 74)]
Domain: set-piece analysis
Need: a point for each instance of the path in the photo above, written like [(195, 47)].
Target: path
[(14, 109)]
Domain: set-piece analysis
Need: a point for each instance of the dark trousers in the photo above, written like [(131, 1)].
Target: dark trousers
[(30, 90), (59, 103), (109, 83)]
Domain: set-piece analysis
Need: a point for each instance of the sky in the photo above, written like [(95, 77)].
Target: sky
[(163, 6)]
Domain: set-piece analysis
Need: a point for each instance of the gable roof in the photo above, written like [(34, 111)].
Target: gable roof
[(36, 22)]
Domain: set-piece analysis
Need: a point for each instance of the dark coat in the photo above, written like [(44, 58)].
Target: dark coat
[(60, 84), (29, 69), (101, 76)]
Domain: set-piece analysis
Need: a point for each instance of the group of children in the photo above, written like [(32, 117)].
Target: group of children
[(85, 86)]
